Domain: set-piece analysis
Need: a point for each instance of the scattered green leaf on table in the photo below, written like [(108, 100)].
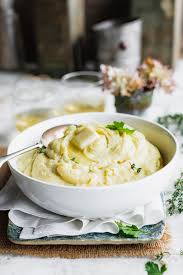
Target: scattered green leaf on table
[(155, 269)]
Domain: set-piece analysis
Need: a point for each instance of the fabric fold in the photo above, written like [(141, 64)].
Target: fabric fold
[(38, 222)]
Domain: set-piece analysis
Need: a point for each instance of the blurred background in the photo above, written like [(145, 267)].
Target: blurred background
[(58, 36), (42, 40)]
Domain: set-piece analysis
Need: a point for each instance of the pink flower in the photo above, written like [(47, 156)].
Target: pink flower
[(149, 75)]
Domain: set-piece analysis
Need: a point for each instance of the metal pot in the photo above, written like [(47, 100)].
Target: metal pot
[(119, 43)]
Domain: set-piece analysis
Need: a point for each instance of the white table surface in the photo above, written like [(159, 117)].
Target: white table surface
[(16, 265)]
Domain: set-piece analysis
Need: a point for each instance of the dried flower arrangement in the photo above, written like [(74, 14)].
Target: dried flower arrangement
[(149, 75)]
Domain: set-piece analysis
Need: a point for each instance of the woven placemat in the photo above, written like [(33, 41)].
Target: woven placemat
[(72, 251), (80, 251)]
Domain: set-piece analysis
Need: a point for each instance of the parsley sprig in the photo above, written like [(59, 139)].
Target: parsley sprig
[(153, 268), (175, 203), (129, 231), (120, 127)]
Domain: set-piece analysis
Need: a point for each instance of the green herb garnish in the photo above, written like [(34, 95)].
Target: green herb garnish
[(175, 203), (181, 252), (175, 124), (120, 127), (129, 231), (42, 149), (160, 256), (74, 159), (155, 269), (137, 170), (91, 171), (172, 122)]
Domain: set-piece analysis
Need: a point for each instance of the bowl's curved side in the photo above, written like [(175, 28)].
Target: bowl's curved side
[(93, 203)]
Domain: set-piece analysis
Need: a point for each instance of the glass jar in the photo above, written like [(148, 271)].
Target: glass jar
[(34, 100), (82, 92), (81, 79), (6, 114)]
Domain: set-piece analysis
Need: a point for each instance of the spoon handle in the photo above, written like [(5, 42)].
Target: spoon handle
[(3, 159)]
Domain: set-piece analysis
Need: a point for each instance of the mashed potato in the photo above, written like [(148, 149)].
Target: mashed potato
[(93, 155)]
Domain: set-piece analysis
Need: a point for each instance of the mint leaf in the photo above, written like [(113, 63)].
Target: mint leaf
[(154, 269), (129, 231), (120, 127)]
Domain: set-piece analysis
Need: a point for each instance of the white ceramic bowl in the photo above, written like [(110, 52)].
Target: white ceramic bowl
[(96, 202)]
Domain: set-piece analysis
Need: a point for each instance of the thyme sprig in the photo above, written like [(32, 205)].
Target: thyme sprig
[(175, 202), (74, 159), (175, 124), (134, 168), (42, 149), (161, 255), (172, 122)]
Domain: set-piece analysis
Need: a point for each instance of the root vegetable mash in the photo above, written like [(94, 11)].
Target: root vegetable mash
[(93, 155)]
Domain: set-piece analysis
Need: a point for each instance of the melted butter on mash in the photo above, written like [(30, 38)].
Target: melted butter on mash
[(93, 155)]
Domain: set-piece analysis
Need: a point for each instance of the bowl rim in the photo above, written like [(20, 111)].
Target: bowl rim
[(108, 187), (68, 76)]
